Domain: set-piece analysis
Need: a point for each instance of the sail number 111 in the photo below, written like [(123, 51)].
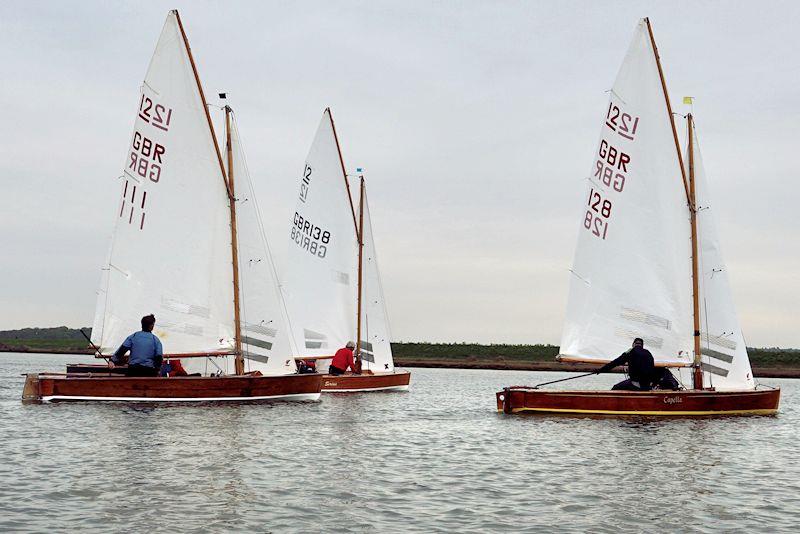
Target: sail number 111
[(598, 214)]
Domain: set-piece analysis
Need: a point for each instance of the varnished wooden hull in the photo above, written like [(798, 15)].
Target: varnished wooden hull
[(44, 388), (686, 403), (398, 381)]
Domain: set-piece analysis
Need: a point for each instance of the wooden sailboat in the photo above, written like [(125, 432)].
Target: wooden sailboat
[(333, 289), (648, 265), (175, 253)]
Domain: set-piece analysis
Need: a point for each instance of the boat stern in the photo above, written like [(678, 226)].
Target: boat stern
[(504, 404), (32, 391)]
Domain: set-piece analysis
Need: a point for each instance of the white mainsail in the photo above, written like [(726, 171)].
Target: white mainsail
[(724, 355), (631, 275), (320, 285), (171, 247), (376, 348), (266, 339)]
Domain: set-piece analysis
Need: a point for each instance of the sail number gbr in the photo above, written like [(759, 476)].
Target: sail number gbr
[(310, 237), (598, 214)]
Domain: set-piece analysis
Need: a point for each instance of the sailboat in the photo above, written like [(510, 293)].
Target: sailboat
[(332, 284), (648, 265), (175, 252)]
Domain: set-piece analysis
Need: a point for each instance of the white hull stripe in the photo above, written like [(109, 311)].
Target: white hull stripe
[(291, 396)]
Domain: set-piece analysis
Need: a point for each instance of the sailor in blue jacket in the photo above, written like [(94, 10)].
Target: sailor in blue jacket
[(146, 350)]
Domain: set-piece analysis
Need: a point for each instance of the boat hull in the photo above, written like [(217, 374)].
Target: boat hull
[(398, 381), (685, 403), (47, 388)]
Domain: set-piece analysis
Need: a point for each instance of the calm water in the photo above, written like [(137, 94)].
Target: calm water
[(436, 458)]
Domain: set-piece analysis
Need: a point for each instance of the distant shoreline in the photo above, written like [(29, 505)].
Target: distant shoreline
[(25, 350), (758, 372), (495, 365)]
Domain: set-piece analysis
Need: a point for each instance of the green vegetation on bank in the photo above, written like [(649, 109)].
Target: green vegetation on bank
[(474, 352), (502, 354), (58, 339), (63, 339)]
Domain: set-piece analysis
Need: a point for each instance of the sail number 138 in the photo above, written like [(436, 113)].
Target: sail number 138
[(598, 215)]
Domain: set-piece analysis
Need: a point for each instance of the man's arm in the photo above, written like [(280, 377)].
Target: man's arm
[(116, 359), (159, 355), (619, 360)]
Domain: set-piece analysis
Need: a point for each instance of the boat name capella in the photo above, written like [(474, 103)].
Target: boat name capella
[(673, 400), (309, 236)]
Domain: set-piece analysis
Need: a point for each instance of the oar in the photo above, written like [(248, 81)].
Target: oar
[(564, 379), (95, 347)]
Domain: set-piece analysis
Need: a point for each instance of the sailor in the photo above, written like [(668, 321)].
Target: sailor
[(641, 367), (146, 351), (306, 366), (173, 368), (343, 360)]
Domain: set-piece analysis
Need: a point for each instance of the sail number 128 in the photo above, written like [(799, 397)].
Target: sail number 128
[(598, 214)]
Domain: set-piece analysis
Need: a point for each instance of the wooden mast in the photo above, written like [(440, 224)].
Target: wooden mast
[(239, 358), (669, 107), (698, 371), (689, 189), (344, 171), (228, 186), (359, 235), (360, 271)]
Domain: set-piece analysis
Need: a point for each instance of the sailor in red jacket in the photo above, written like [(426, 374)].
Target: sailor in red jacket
[(343, 360)]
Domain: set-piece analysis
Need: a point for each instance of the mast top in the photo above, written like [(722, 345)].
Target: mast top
[(202, 97), (344, 170), (669, 110)]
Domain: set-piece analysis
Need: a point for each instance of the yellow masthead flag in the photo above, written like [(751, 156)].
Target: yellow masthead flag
[(688, 100)]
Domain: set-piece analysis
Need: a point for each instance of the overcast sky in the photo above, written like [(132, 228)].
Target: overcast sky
[(475, 121)]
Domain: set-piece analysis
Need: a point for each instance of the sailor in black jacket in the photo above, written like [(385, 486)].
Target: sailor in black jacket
[(641, 368)]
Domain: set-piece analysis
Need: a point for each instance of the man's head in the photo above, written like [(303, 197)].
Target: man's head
[(638, 342), (148, 322), (350, 345)]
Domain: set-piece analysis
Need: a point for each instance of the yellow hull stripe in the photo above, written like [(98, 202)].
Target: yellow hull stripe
[(768, 411)]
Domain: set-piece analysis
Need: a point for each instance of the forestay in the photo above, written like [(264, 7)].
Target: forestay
[(266, 341), (320, 284), (723, 350), (171, 247), (631, 275), (376, 348)]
